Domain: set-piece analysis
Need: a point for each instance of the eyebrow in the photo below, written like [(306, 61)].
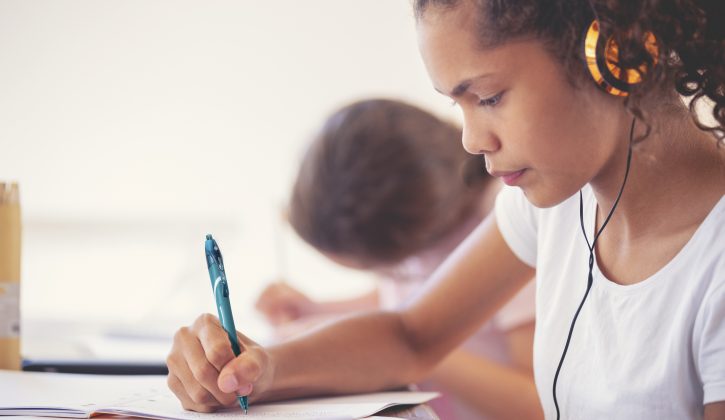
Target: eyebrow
[(462, 87)]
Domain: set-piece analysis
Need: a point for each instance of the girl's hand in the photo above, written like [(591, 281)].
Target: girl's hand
[(203, 372), (281, 304)]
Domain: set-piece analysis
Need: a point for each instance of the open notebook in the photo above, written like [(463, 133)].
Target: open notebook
[(82, 396)]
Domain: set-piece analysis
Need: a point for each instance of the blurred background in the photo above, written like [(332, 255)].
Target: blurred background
[(136, 127)]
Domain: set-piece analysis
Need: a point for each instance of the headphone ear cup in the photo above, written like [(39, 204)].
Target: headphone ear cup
[(602, 59), (595, 52)]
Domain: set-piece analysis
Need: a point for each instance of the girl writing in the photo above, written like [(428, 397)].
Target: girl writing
[(614, 201)]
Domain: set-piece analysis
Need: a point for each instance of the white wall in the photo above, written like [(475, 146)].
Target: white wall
[(135, 127)]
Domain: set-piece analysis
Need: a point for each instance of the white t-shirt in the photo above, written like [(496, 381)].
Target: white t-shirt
[(651, 350)]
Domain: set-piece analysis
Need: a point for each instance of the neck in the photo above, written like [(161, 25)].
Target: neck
[(677, 174)]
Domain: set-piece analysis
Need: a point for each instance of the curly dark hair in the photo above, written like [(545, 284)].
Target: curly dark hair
[(382, 180), (690, 38)]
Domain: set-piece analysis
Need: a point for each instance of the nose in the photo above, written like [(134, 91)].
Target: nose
[(478, 137)]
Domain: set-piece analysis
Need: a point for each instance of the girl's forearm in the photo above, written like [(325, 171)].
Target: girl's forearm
[(362, 353), (492, 389)]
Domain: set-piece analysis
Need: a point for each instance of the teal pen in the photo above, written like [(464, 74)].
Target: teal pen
[(218, 278)]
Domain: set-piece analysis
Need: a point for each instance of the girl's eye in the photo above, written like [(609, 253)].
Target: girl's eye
[(491, 101)]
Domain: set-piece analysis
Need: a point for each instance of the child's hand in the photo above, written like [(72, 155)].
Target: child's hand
[(281, 304), (203, 372)]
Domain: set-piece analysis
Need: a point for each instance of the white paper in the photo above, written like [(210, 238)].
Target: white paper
[(70, 395)]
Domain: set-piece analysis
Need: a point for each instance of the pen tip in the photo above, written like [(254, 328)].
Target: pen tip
[(208, 236)]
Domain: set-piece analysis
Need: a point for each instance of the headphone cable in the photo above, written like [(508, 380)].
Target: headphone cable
[(591, 246)]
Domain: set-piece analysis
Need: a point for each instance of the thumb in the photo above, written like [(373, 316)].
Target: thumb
[(241, 373)]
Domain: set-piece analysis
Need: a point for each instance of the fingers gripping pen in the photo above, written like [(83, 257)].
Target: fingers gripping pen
[(218, 278)]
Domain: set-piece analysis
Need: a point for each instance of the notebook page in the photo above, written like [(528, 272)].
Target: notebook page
[(164, 405), (67, 395), (71, 395)]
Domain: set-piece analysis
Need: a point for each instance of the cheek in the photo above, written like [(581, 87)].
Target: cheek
[(555, 115), (561, 130), (556, 141)]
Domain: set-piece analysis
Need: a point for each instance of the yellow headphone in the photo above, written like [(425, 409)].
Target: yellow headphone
[(602, 57)]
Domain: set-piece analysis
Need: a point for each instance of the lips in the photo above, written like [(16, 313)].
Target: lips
[(509, 177)]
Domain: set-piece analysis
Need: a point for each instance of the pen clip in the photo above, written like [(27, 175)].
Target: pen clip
[(218, 256)]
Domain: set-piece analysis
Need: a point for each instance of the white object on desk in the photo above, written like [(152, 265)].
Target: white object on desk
[(80, 396)]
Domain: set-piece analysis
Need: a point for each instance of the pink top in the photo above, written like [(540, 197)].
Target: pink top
[(402, 281)]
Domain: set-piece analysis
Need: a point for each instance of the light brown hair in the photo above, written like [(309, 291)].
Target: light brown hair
[(382, 180)]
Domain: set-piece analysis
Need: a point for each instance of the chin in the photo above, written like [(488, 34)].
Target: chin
[(543, 199)]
